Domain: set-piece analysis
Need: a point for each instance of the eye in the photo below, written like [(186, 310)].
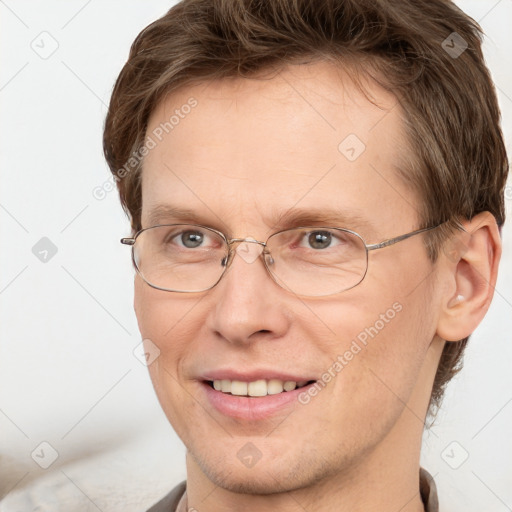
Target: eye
[(321, 239), (185, 237), (190, 239)]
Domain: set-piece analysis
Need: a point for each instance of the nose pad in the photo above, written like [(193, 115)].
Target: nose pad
[(249, 250)]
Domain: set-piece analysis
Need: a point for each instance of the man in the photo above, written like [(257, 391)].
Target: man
[(315, 191)]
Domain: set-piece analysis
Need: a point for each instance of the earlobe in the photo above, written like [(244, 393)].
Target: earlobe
[(470, 268)]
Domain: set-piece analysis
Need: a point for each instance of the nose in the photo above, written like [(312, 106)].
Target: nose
[(247, 304)]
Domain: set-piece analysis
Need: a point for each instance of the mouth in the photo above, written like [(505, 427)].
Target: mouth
[(258, 388), (255, 394)]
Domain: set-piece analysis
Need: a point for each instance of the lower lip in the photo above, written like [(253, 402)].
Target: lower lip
[(252, 408)]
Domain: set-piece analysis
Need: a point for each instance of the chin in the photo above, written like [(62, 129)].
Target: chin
[(264, 478), (258, 483), (250, 486)]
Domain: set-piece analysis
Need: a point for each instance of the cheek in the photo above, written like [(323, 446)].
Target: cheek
[(171, 322), (377, 351), (159, 317)]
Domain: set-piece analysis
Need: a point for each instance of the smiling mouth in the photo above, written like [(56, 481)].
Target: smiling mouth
[(257, 388)]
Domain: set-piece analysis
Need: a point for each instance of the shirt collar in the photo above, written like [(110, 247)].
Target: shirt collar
[(428, 491)]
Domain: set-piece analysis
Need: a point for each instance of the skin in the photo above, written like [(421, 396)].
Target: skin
[(249, 151)]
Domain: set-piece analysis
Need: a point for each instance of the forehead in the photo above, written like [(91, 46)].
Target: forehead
[(252, 149)]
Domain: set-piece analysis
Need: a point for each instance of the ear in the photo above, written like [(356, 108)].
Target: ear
[(469, 263)]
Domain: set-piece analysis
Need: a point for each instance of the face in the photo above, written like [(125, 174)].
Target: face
[(305, 143)]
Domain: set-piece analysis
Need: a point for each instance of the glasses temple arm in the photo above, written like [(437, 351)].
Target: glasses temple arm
[(392, 241)]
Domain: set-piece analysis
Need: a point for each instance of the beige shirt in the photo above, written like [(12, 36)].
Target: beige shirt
[(176, 500)]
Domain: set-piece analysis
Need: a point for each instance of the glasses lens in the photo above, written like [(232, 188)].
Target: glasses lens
[(317, 261), (180, 257)]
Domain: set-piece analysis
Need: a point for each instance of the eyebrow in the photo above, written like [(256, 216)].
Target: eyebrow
[(333, 217), (161, 213), (291, 218)]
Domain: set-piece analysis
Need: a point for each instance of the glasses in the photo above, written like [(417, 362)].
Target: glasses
[(308, 261)]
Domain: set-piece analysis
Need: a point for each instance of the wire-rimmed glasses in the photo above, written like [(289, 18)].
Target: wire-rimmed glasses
[(309, 261)]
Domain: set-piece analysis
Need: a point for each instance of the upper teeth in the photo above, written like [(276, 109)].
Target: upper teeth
[(256, 388)]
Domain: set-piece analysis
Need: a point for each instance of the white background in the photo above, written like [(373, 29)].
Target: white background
[(68, 375)]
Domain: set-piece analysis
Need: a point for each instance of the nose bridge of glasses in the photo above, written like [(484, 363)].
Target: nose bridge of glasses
[(249, 249)]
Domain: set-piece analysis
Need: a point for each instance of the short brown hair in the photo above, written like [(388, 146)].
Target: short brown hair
[(427, 53)]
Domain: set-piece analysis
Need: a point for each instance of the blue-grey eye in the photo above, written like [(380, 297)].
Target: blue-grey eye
[(320, 239), (192, 239)]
